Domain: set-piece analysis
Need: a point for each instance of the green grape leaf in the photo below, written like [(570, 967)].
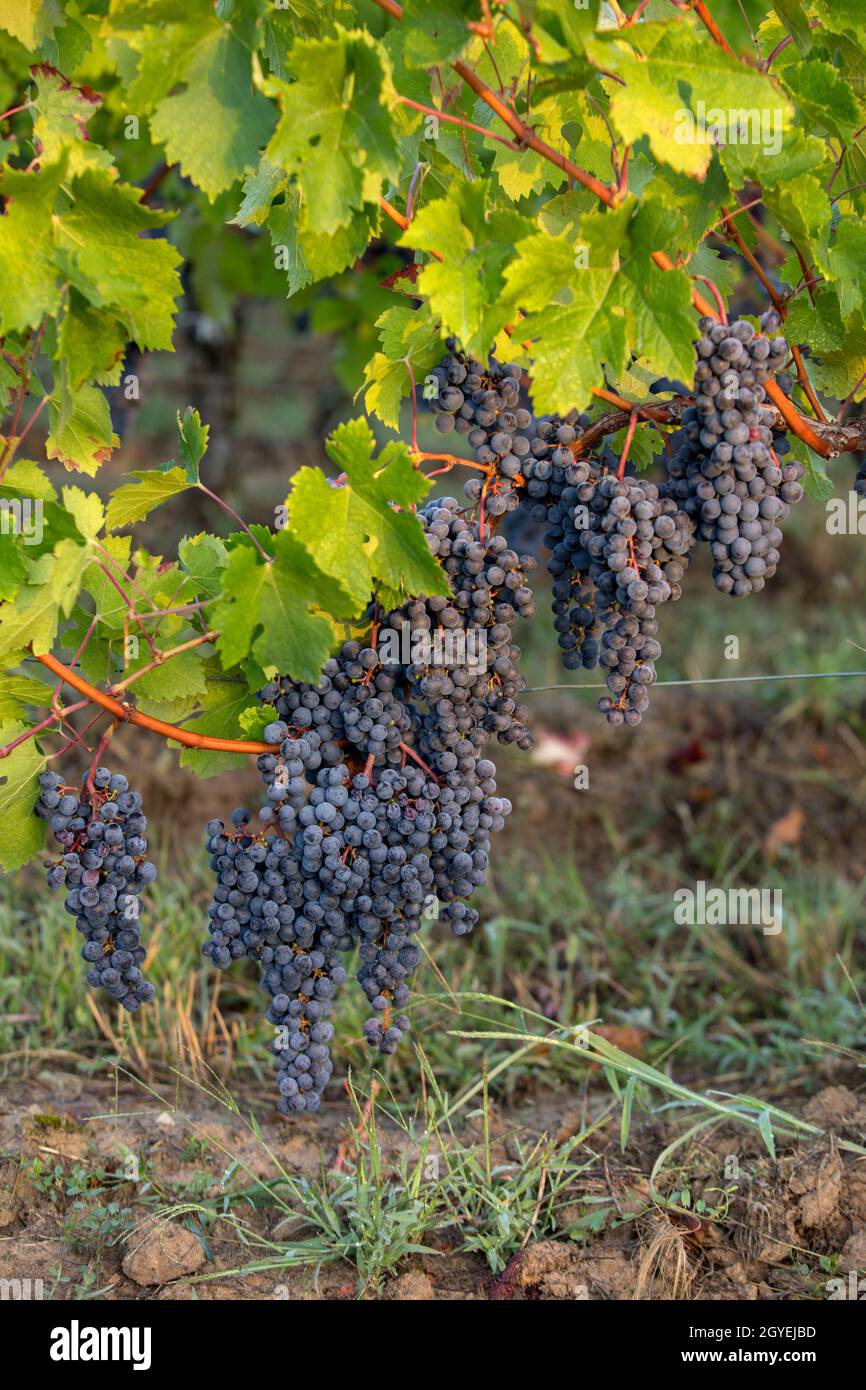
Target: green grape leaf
[(803, 208), (794, 19), (22, 834), (696, 201), (309, 17), (843, 367), (645, 447), (27, 243), (476, 241), (108, 603), (115, 265), (222, 708), (435, 31), (843, 14), (306, 257), (568, 27), (570, 289), (655, 63), (725, 274), (256, 719), (204, 558), (17, 693), (406, 335), (13, 569), (193, 442), (799, 154), (335, 135), (90, 345), (182, 678), (68, 46), (523, 172), (134, 501), (266, 610), (52, 586), (80, 433), (215, 127), (823, 96), (284, 225), (600, 289), (816, 483), (86, 511), (260, 188), (820, 324), (354, 532), (845, 262), (25, 476), (660, 319)]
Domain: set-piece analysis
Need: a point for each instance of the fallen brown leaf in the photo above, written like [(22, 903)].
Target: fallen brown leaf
[(787, 830), (624, 1036)]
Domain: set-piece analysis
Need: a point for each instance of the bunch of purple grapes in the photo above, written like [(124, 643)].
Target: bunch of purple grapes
[(104, 869)]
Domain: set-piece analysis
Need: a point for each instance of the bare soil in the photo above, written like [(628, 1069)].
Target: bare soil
[(784, 1231)]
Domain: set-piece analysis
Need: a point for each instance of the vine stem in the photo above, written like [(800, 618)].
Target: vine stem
[(160, 658), (795, 422), (100, 749), (78, 738), (712, 27), (37, 728), (230, 511), (32, 421), (783, 43), (414, 399), (451, 460), (629, 436), (154, 181), (130, 606), (156, 726), (458, 120), (717, 296), (849, 398), (410, 753), (838, 439)]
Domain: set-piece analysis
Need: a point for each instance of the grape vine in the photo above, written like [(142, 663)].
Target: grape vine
[(574, 239)]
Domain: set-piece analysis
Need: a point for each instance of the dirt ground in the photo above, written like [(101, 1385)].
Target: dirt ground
[(785, 1231)]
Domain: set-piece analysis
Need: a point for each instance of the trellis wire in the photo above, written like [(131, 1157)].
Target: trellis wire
[(708, 680)]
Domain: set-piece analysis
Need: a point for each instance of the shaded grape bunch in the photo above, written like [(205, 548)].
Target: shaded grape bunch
[(638, 542), (483, 403), (729, 471), (860, 481), (618, 548), (263, 911), (357, 860), (466, 664), (104, 869), (553, 475)]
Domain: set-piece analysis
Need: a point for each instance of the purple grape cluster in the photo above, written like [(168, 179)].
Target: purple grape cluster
[(729, 471), (104, 869), (483, 403)]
